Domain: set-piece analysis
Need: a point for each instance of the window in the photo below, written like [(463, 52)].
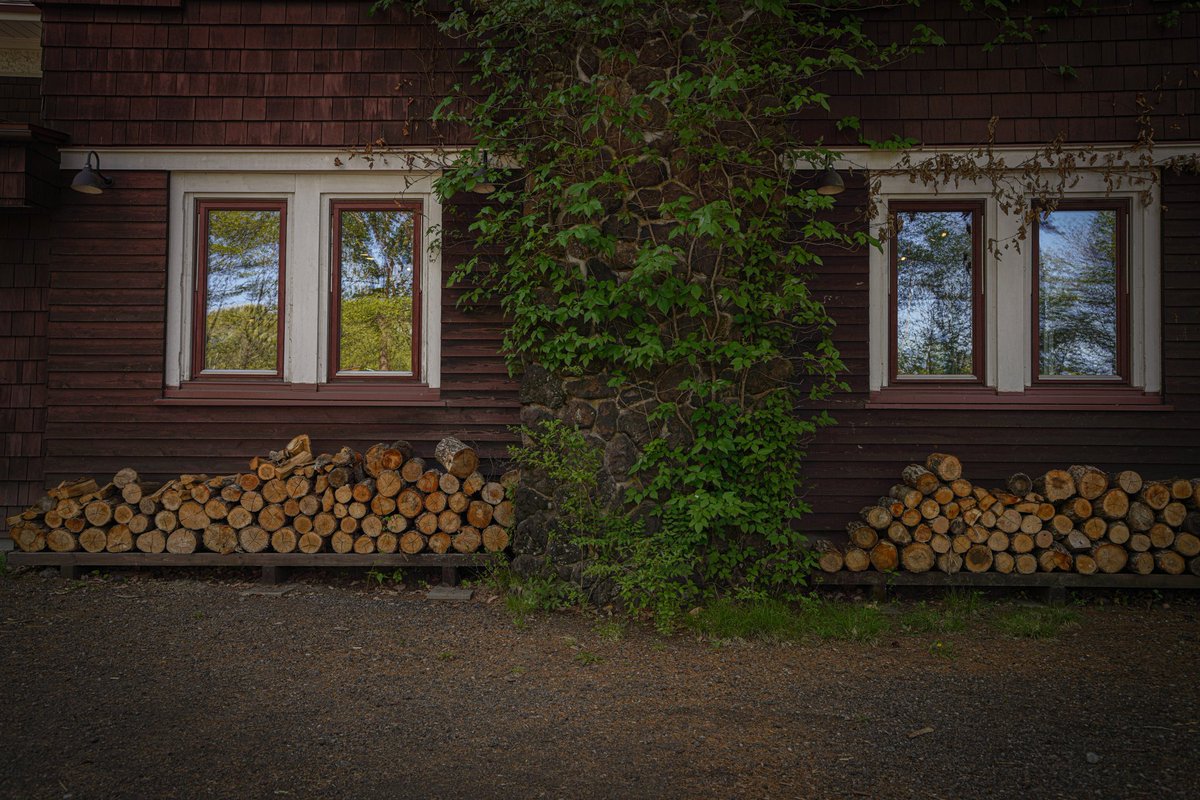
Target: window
[(1079, 301), (238, 322), (376, 287), (303, 286), (936, 291), (966, 307)]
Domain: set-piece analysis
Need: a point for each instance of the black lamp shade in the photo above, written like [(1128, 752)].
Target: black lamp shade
[(89, 180), (830, 182)]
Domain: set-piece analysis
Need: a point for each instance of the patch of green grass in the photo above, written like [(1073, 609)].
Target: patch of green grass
[(942, 649), (611, 630), (525, 597), (585, 658), (1040, 622), (952, 615), (774, 620), (447, 655)]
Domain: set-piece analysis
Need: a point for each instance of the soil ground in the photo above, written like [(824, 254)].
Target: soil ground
[(185, 687)]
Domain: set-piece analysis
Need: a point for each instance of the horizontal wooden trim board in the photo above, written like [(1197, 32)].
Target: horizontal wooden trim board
[(997, 580), (248, 560), (1041, 398)]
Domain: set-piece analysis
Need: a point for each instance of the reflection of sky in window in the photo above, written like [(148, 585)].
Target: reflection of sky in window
[(1077, 292), (243, 259), (377, 255), (934, 288)]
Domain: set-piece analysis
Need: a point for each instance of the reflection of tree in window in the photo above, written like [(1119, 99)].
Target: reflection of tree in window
[(934, 293), (1077, 293), (376, 312), (242, 290)]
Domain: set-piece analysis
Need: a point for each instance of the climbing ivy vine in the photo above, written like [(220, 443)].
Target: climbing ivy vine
[(654, 222)]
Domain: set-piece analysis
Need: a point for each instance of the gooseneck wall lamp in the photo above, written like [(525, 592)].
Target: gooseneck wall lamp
[(482, 184), (90, 180), (830, 182)]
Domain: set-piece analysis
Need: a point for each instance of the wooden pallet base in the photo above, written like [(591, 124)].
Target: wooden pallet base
[(274, 565), (1054, 585)]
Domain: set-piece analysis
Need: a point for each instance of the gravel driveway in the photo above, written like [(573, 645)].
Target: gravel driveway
[(186, 688)]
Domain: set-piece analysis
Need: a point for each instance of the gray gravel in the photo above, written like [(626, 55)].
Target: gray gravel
[(185, 688)]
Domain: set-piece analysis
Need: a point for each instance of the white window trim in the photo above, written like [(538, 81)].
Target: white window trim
[(1008, 282), (307, 280)]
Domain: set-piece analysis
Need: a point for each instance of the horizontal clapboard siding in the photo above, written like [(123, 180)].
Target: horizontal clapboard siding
[(106, 311)]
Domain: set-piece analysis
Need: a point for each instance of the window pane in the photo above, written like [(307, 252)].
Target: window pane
[(935, 293), (376, 281), (241, 315), (1077, 293)]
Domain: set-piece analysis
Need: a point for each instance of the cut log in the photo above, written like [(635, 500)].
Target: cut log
[(389, 483), (1009, 521), (1138, 543), (302, 523), (998, 542), (364, 545), (930, 508), (944, 465), (1156, 495), (371, 525), (1025, 564), (960, 544), (1020, 543), (1031, 524), (1187, 544), (1055, 558), (1020, 484), (200, 493), (429, 480), (396, 523), (898, 533), (348, 524), (272, 518), (413, 469), (940, 543), (1170, 562), (220, 538), (310, 506), (410, 503), (458, 502), (495, 539), (1173, 514), (1090, 482), (439, 543), (468, 540), (919, 478), (907, 495), (949, 563), (829, 558), (1141, 563), (274, 491), (426, 523), (1181, 489), (387, 542), (921, 533), (978, 559), (435, 502), (231, 493), (449, 484), (251, 501), (363, 491), (342, 542), (1094, 528), (857, 560), (875, 516), (457, 458), (1055, 485), (449, 522), (1161, 536), (98, 513), (238, 517), (884, 556), (1140, 517), (216, 509), (1110, 558), (344, 494), (1076, 509), (122, 514), (181, 542), (861, 536), (191, 516), (1118, 532), (324, 524), (505, 514), (961, 488), (943, 495), (1085, 564), (494, 493), (357, 510), (284, 540), (61, 540), (151, 542), (254, 539), (1113, 504), (412, 543), (310, 543), (474, 482), (917, 557), (1004, 562), (1128, 481), (1078, 542), (93, 540)]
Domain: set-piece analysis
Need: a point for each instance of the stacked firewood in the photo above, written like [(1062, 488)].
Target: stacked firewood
[(1080, 519), (385, 500)]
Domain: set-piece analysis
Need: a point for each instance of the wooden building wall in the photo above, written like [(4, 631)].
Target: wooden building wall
[(251, 73), (105, 406)]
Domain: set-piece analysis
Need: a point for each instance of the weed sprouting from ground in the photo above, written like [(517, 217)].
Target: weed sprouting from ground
[(813, 618), (1040, 622), (3, 563)]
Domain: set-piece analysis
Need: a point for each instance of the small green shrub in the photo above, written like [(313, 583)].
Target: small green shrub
[(813, 618), (531, 595), (1042, 622)]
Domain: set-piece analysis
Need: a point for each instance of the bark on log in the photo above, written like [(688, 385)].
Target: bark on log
[(919, 478), (1140, 517), (1090, 482), (945, 466), (1141, 563), (1020, 484), (1169, 562), (1055, 485), (457, 458), (861, 536)]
